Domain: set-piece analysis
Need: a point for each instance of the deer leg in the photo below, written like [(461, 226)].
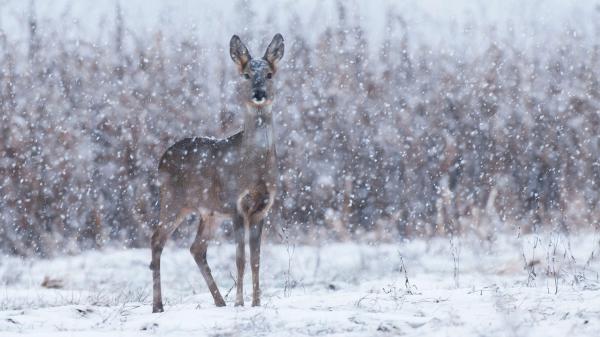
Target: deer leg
[(166, 226), (198, 250), (240, 258), (159, 238), (255, 237)]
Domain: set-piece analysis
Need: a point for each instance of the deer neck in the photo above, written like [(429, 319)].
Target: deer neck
[(257, 144), (258, 170)]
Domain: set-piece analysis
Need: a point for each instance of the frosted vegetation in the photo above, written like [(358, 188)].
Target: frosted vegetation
[(397, 131), (439, 161)]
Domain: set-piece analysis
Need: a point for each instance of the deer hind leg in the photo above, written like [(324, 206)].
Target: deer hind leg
[(240, 258), (169, 221), (255, 236), (198, 250)]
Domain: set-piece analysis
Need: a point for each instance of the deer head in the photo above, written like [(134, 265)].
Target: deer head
[(257, 87)]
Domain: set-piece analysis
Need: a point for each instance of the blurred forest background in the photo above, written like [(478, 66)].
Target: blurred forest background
[(378, 139)]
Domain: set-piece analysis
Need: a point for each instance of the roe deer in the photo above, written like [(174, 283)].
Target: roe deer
[(235, 177)]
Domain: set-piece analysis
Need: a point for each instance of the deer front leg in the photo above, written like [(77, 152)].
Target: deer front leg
[(255, 238), (240, 259)]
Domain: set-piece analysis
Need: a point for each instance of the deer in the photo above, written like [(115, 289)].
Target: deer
[(233, 177)]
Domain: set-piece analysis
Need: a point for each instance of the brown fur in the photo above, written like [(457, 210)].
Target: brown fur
[(235, 176)]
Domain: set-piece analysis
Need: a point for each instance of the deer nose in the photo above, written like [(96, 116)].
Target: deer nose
[(259, 96)]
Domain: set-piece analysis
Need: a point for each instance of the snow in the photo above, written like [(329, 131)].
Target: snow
[(436, 21), (415, 288), (417, 141)]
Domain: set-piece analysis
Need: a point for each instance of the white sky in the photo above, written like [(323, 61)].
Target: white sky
[(427, 19)]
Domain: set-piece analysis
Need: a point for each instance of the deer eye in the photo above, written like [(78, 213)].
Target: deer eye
[(269, 75), (246, 76)]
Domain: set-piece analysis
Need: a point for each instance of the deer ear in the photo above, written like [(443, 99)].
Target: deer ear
[(239, 53), (274, 52)]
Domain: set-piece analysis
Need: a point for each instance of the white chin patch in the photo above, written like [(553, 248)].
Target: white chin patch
[(259, 101)]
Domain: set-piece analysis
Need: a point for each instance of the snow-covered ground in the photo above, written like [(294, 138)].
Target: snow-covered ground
[(446, 288)]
